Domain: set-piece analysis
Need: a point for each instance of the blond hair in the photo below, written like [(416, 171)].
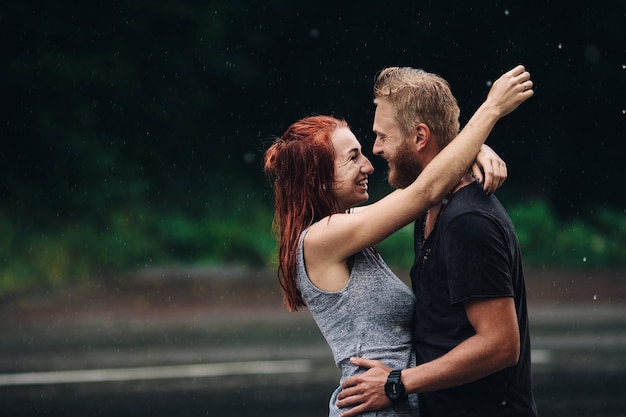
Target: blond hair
[(417, 97)]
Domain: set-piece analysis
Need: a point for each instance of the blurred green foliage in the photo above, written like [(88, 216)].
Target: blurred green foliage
[(595, 241), (142, 237)]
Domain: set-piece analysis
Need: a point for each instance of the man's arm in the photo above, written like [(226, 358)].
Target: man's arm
[(495, 346)]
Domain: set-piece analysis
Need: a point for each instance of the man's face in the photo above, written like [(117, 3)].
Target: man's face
[(399, 151)]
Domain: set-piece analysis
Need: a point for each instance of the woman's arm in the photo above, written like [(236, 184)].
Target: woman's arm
[(341, 235)]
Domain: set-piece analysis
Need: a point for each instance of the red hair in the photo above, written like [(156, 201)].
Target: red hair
[(301, 164)]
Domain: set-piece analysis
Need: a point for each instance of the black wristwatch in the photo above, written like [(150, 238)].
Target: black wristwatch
[(394, 389)]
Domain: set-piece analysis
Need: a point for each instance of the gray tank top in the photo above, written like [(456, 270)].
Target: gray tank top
[(371, 317)]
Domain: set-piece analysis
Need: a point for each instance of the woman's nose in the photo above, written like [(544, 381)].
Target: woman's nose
[(367, 167)]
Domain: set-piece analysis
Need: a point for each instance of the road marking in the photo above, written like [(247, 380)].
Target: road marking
[(157, 372), (540, 355), (180, 371)]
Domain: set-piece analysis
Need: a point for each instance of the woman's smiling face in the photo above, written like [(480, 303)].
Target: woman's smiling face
[(352, 169)]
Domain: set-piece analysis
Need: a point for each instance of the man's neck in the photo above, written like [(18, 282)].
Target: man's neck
[(466, 180), (433, 214)]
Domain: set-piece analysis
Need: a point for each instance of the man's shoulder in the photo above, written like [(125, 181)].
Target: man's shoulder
[(472, 200), (477, 216)]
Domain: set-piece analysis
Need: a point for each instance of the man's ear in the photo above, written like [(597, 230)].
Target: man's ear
[(422, 132)]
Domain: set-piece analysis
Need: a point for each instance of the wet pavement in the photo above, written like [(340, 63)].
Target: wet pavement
[(228, 348)]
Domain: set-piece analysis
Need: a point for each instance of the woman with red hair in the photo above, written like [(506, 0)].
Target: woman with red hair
[(326, 259)]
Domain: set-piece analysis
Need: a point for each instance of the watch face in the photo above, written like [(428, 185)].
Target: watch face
[(392, 390)]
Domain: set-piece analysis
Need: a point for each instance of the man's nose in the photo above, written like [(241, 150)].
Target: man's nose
[(377, 148)]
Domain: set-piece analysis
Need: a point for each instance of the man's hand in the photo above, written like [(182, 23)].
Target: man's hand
[(489, 169), (367, 389)]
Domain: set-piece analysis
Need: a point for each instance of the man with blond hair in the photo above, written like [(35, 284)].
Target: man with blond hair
[(470, 331)]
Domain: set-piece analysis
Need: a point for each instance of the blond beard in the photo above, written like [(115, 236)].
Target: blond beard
[(406, 167)]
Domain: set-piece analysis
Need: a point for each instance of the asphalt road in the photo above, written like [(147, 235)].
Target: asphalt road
[(213, 350)]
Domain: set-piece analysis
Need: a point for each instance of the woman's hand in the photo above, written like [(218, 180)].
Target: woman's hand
[(489, 169), (509, 91)]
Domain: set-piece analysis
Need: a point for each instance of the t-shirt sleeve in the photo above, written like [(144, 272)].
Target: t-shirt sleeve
[(479, 259)]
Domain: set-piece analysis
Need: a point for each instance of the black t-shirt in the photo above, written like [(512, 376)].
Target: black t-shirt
[(473, 252)]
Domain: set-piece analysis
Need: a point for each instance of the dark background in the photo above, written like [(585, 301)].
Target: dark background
[(114, 110), (171, 103)]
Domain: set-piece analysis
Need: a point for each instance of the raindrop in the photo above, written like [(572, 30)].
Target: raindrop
[(248, 157), (584, 259), (595, 297), (506, 12), (592, 54), (560, 46)]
